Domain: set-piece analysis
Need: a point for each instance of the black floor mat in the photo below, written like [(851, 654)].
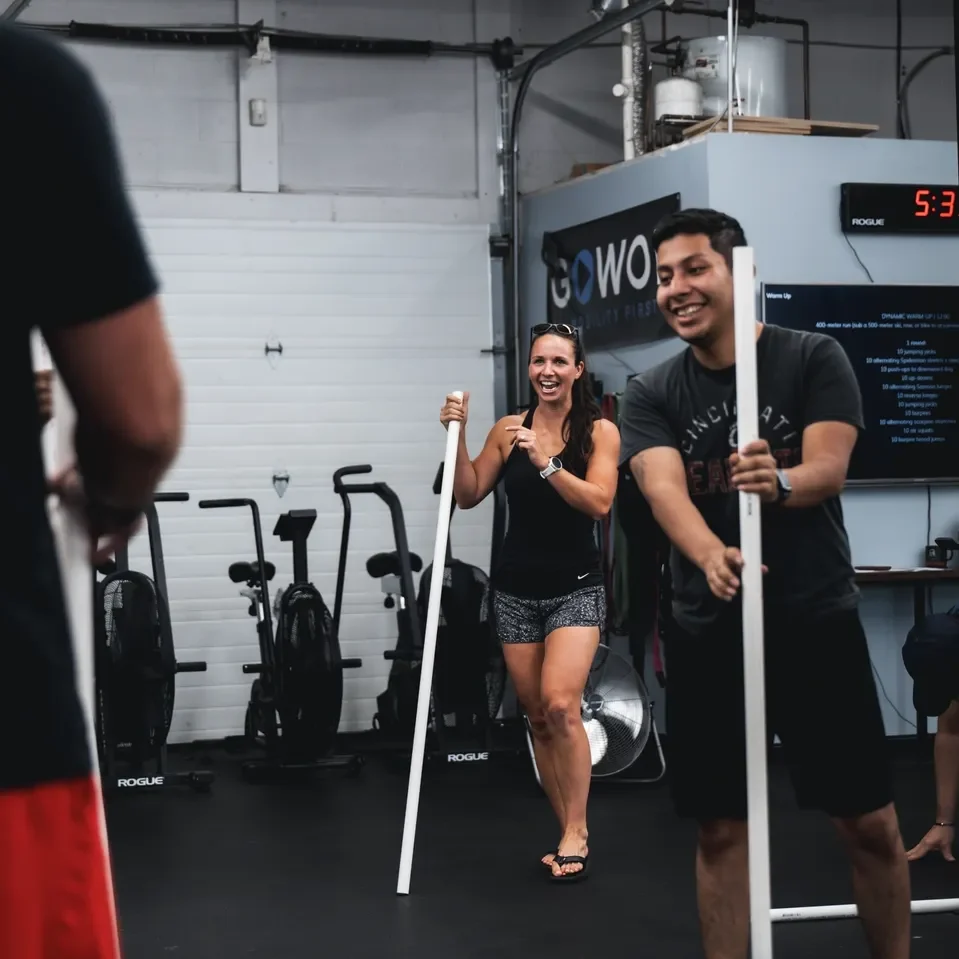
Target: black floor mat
[(298, 871)]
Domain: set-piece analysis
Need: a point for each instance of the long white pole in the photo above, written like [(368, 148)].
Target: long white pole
[(730, 67), (750, 533), (76, 575), (850, 911), (429, 654)]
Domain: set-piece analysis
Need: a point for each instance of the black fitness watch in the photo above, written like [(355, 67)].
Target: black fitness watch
[(785, 487)]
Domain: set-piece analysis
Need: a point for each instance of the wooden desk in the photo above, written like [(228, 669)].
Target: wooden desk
[(922, 579)]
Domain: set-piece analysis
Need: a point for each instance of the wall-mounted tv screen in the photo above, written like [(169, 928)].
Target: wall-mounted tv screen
[(903, 343)]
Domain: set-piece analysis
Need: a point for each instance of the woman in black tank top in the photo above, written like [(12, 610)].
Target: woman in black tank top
[(558, 464)]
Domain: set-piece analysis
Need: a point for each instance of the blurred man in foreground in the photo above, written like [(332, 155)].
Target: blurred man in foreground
[(78, 270)]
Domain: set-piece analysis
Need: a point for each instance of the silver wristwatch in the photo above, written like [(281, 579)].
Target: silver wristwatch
[(553, 466), (785, 487)]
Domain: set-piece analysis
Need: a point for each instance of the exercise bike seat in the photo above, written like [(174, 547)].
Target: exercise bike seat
[(250, 572), (388, 564)]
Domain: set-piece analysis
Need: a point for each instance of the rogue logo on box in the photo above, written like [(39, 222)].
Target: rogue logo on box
[(142, 781), (466, 757), (867, 221)]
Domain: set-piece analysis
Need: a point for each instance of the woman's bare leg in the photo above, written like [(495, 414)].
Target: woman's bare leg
[(569, 656), (524, 661)]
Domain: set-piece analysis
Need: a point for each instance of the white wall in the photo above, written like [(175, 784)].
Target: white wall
[(175, 109), (377, 323), (421, 130)]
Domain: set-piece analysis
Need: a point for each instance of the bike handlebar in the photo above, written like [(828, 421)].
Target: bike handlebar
[(191, 667), (171, 497), (349, 471), (260, 561)]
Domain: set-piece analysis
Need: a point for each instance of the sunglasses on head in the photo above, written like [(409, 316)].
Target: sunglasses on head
[(563, 329)]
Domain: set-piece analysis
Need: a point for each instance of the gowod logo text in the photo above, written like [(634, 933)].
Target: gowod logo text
[(602, 271), (602, 276)]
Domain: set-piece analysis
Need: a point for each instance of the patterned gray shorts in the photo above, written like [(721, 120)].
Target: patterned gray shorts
[(522, 620)]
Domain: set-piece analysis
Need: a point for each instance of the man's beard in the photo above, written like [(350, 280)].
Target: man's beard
[(702, 338)]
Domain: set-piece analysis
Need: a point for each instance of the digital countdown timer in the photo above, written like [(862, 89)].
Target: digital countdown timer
[(926, 208)]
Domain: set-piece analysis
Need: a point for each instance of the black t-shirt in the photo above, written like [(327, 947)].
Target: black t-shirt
[(73, 255), (803, 378)]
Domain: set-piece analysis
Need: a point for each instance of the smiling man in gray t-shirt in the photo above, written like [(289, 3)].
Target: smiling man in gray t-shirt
[(678, 427)]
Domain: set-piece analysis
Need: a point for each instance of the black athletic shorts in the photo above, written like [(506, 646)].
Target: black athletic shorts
[(820, 700), (522, 620)]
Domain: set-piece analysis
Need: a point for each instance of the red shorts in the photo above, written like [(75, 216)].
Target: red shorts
[(56, 895)]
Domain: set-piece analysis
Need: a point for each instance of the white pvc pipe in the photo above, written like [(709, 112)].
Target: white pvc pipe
[(76, 574), (730, 39), (849, 911), (429, 654), (750, 532)]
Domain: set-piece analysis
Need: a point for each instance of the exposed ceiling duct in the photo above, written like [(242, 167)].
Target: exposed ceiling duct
[(633, 88), (15, 9), (600, 8)]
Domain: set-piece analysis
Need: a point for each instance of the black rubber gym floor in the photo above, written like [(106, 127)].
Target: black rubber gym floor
[(306, 870)]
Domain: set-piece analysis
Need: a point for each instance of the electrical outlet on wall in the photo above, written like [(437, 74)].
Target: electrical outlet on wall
[(258, 117)]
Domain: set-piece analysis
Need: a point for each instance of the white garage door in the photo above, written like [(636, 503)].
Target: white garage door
[(377, 323)]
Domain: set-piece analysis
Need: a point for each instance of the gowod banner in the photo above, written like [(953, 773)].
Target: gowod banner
[(602, 277)]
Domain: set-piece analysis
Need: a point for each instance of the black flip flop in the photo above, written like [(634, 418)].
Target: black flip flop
[(570, 876)]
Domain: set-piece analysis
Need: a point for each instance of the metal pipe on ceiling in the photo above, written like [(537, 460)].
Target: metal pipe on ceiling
[(249, 35), (524, 74), (15, 9)]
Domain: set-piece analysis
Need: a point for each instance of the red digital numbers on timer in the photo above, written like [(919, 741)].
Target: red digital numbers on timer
[(947, 205)]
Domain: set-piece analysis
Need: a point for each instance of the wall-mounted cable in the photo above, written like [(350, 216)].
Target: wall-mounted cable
[(855, 253)]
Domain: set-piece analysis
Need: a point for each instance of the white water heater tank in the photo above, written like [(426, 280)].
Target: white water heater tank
[(760, 76), (678, 97)]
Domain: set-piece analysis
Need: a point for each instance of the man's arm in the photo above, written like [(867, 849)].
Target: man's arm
[(661, 477), (593, 495), (833, 418), (826, 449), (649, 446), (123, 381), (947, 765), (832, 414), (98, 310), (942, 835)]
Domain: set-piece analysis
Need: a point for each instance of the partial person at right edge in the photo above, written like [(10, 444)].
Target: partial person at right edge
[(941, 837), (78, 270), (931, 657), (678, 425)]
